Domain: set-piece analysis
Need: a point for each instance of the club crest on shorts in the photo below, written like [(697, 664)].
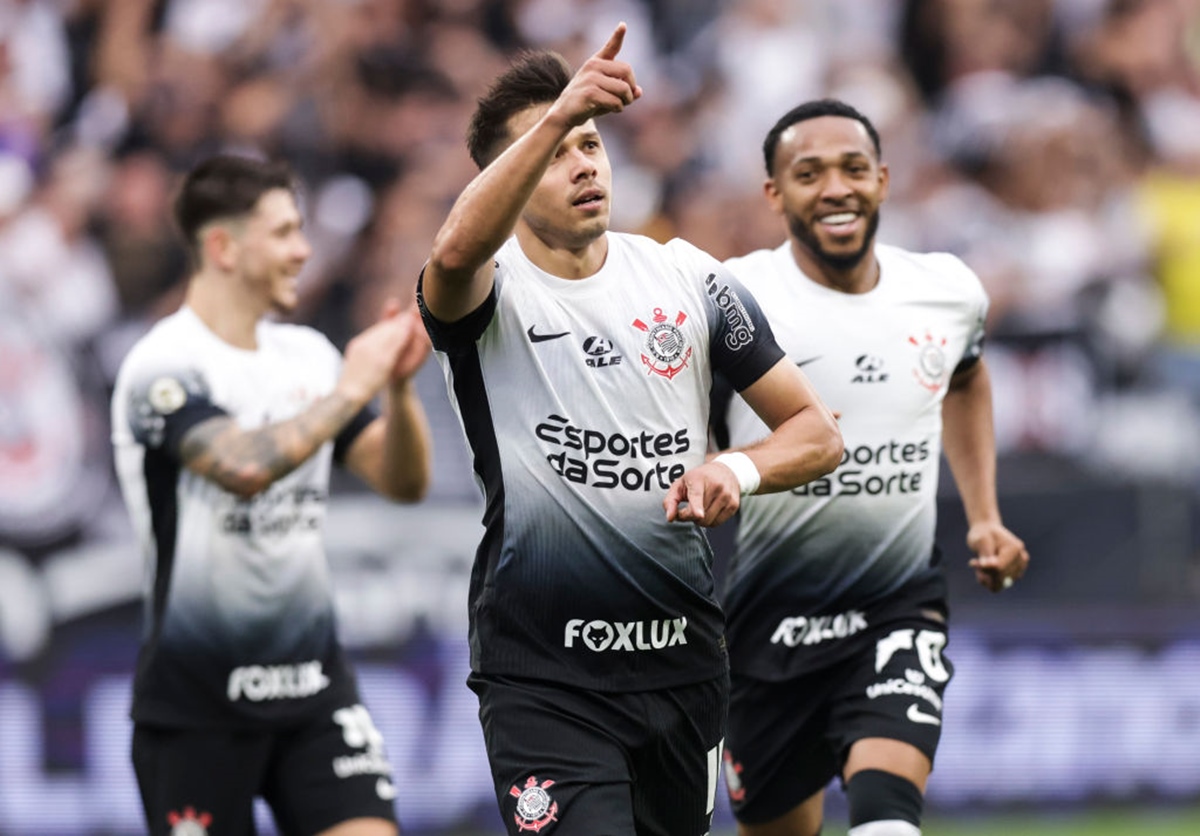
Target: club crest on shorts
[(189, 822), (666, 350), (931, 367), (535, 808), (733, 778)]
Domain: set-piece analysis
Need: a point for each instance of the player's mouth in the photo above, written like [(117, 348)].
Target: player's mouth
[(590, 199), (839, 223)]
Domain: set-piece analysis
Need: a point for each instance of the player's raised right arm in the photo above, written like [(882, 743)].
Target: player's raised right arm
[(458, 276)]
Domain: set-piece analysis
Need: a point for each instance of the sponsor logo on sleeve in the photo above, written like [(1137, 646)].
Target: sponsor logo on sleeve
[(166, 395), (741, 326)]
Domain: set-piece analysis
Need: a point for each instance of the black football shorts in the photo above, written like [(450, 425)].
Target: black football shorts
[(312, 776), (786, 740), (580, 763)]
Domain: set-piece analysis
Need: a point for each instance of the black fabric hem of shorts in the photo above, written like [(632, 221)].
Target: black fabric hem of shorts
[(899, 734), (321, 824), (769, 814)]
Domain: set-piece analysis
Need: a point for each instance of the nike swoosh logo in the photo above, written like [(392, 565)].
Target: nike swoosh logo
[(802, 363), (385, 789), (541, 338), (918, 716)]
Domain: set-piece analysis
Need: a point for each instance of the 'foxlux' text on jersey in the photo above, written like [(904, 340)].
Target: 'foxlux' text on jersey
[(626, 635)]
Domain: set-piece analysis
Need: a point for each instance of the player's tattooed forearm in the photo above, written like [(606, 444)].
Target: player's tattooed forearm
[(246, 462)]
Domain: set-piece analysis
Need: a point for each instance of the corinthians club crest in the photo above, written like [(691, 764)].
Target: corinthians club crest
[(932, 366), (666, 349), (189, 823), (535, 808)]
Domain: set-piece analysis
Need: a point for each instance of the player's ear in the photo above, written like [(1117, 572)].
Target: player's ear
[(885, 180), (218, 245), (774, 198)]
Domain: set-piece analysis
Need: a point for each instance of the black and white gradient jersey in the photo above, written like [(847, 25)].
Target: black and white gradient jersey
[(582, 401), (239, 626), (817, 565)]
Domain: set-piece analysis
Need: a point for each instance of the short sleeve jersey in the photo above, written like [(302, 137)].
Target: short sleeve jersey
[(816, 565), (582, 401), (239, 626)]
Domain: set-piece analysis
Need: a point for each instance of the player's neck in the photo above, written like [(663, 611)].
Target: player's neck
[(561, 260), (233, 319), (861, 277)]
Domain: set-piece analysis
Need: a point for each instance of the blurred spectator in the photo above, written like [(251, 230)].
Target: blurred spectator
[(135, 231), (1051, 143), (34, 74)]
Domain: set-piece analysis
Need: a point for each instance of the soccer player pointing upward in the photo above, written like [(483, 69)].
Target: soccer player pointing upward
[(580, 361)]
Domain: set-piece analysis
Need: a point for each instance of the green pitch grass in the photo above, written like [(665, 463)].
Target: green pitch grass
[(1122, 823)]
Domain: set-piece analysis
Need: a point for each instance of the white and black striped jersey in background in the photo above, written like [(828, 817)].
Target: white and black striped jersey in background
[(582, 401), (239, 621), (813, 565)]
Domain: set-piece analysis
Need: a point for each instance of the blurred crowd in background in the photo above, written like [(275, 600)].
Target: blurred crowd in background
[(1052, 144)]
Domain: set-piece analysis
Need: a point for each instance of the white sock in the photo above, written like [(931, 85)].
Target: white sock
[(888, 827)]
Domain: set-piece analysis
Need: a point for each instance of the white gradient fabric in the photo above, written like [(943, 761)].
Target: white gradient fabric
[(582, 401), (239, 620), (812, 562)]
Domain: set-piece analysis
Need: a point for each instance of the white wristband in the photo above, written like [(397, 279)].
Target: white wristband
[(743, 468)]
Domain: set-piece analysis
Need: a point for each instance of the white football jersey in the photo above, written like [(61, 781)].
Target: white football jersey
[(239, 621), (811, 563), (582, 401)]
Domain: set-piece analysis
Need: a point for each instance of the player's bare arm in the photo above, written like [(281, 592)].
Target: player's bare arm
[(246, 462), (393, 454), (805, 444), (968, 440), (458, 276)]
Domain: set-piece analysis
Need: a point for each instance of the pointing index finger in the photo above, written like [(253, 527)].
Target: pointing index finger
[(610, 49)]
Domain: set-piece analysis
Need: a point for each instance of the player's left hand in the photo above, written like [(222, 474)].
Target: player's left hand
[(707, 495), (1000, 556), (416, 347)]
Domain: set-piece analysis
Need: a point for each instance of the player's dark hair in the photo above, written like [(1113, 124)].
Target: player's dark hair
[(535, 77), (813, 110), (223, 187)]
